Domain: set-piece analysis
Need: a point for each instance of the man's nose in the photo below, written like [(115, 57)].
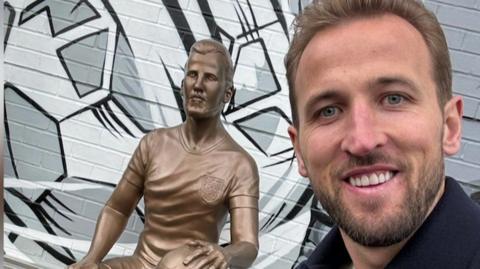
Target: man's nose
[(363, 132), (198, 85)]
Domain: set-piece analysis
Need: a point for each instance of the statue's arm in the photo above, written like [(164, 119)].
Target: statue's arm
[(111, 222), (243, 206), (242, 251), (244, 237), (114, 215), (113, 219)]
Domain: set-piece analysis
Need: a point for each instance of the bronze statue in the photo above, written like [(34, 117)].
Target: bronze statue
[(190, 176)]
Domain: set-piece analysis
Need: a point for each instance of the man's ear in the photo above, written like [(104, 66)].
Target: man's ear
[(229, 92), (452, 125), (293, 133)]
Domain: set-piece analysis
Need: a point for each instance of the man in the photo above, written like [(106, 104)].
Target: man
[(190, 176), (373, 113)]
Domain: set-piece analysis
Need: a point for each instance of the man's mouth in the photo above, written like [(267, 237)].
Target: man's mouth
[(197, 98), (371, 179)]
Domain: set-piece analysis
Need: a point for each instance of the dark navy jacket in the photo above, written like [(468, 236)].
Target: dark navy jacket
[(449, 238)]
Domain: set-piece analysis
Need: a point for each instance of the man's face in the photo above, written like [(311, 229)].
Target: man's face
[(371, 135), (204, 86)]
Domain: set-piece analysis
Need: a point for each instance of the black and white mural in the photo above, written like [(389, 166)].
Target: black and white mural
[(86, 79)]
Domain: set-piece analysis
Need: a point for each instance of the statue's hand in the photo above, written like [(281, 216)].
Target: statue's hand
[(83, 264), (207, 255)]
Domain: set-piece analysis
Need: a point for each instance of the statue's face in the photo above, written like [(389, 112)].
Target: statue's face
[(204, 87)]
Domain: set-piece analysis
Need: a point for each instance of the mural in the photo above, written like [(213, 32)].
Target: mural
[(86, 79), (94, 80)]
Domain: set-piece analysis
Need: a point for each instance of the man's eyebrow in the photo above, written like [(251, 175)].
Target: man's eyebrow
[(328, 94), (395, 79)]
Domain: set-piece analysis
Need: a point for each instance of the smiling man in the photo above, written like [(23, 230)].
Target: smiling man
[(374, 116), (190, 176)]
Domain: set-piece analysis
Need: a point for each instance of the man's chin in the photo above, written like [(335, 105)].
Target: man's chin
[(376, 223), (195, 111), (375, 234), (201, 115)]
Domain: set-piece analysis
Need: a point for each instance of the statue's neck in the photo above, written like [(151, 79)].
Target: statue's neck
[(202, 134)]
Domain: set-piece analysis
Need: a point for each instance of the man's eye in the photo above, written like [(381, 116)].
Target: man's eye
[(212, 77), (394, 99), (328, 112)]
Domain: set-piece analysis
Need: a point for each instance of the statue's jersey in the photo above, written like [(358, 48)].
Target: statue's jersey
[(188, 193)]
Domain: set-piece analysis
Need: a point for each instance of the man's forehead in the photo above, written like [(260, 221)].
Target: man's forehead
[(361, 38), (386, 29)]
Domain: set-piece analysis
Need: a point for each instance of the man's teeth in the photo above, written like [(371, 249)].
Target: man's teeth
[(370, 180)]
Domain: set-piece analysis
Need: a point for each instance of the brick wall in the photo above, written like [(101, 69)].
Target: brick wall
[(85, 80), (461, 23)]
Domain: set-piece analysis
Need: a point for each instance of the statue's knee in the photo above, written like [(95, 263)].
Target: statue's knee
[(174, 258)]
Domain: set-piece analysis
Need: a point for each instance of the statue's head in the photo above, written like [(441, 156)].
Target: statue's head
[(208, 82)]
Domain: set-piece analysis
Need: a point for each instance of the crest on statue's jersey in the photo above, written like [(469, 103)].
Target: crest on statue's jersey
[(211, 189)]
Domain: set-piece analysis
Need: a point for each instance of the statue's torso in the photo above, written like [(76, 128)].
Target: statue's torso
[(186, 194)]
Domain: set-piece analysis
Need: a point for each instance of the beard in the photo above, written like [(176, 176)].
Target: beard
[(387, 229)]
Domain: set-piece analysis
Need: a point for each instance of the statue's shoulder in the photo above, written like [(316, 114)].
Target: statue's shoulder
[(241, 154), (162, 133)]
